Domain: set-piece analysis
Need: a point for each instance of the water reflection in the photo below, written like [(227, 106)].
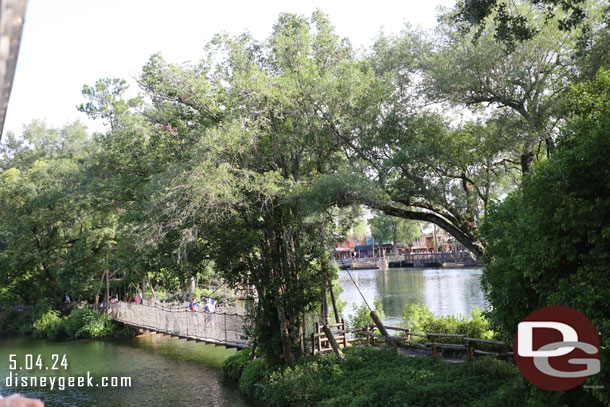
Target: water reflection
[(444, 290)]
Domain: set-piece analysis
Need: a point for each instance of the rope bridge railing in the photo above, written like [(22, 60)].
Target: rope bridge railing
[(219, 327)]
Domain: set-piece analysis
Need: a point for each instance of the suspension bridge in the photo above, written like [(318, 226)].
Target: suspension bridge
[(225, 328), (220, 328)]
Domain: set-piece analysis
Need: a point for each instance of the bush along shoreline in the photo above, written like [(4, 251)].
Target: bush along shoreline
[(377, 377), (80, 322)]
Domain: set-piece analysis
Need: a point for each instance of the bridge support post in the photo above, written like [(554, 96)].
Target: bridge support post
[(333, 342), (379, 324)]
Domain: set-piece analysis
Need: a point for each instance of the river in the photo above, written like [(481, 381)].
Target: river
[(163, 371), (443, 290), (172, 372)]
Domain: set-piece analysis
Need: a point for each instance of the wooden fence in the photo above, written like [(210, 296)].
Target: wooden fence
[(367, 336)]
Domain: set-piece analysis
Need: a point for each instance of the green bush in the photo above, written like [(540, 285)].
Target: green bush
[(254, 378), (419, 319), (548, 242), (362, 314), (87, 323), (81, 323), (233, 366), (12, 320), (49, 325), (379, 377)]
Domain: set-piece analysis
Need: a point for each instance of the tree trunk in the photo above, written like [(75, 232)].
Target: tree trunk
[(183, 291), (152, 289), (285, 336), (191, 286), (335, 309), (527, 158), (52, 283)]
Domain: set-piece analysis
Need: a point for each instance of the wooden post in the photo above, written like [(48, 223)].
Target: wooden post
[(344, 333), (313, 343), (333, 342), (319, 340), (335, 309), (434, 351), (379, 324), (409, 334), (470, 351), (368, 338)]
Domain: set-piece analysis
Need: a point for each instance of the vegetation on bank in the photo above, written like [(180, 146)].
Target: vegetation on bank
[(418, 318), (377, 377), (249, 165), (79, 323)]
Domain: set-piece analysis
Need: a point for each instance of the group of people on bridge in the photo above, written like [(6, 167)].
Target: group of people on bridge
[(209, 305)]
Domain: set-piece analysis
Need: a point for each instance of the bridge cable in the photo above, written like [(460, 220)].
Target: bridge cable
[(358, 288)]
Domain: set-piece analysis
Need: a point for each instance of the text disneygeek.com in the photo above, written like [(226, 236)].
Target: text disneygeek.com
[(15, 381)]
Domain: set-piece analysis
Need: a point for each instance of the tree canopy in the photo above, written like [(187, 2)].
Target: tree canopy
[(547, 242), (250, 164)]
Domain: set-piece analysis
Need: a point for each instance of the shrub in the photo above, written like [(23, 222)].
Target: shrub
[(49, 325), (12, 320), (362, 315), (87, 323), (548, 242), (81, 323), (379, 377), (254, 378), (234, 365), (418, 318)]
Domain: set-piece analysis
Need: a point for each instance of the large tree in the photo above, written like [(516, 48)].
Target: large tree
[(409, 160), (256, 145), (386, 228), (53, 238), (548, 243)]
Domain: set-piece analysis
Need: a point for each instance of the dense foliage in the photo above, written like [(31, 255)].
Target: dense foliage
[(548, 243), (83, 323), (361, 316), (391, 229), (418, 318), (379, 377), (45, 322), (233, 366), (243, 169)]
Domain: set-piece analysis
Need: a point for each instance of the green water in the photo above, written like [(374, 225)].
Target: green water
[(443, 290), (163, 372)]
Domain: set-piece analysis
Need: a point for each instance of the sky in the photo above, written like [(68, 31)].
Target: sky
[(70, 43)]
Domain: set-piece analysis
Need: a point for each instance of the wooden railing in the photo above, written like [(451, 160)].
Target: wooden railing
[(226, 329), (367, 336), (219, 328), (417, 259)]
